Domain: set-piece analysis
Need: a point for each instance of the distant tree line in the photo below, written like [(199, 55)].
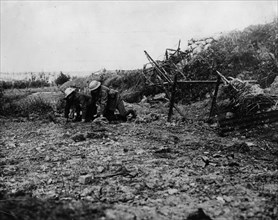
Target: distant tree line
[(22, 84), (34, 82)]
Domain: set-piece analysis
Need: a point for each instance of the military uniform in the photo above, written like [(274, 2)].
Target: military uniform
[(109, 100), (81, 103)]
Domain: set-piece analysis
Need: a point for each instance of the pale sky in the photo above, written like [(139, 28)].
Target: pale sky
[(90, 35)]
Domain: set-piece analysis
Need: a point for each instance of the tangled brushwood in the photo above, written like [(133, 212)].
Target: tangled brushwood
[(247, 99)]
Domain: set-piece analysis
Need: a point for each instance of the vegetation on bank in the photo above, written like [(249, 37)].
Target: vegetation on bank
[(16, 99), (20, 105), (34, 82), (248, 54), (24, 102), (62, 78), (251, 54), (130, 83), (23, 84)]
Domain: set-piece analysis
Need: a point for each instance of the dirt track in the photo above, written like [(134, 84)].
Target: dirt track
[(145, 169)]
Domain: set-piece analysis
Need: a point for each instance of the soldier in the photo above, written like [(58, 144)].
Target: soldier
[(109, 100), (81, 103)]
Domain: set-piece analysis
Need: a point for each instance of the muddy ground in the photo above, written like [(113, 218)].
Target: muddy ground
[(142, 169)]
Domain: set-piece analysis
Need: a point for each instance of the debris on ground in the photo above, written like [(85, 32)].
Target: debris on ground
[(247, 99), (154, 170), (168, 163)]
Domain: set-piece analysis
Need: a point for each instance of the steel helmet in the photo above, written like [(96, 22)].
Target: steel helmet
[(94, 85), (68, 91)]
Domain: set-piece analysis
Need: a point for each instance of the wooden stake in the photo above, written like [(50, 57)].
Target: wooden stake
[(158, 68), (172, 101), (213, 103)]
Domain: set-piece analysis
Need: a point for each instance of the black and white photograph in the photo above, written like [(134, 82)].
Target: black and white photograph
[(138, 110)]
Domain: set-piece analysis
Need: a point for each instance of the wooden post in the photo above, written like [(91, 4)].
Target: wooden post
[(166, 55), (160, 69), (172, 101), (213, 103)]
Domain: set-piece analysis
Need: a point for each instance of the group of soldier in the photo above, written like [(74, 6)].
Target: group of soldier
[(101, 103)]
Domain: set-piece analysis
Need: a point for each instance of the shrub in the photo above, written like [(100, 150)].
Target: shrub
[(11, 106), (1, 93), (62, 78), (249, 54), (22, 84), (37, 105), (8, 105), (39, 83), (6, 85)]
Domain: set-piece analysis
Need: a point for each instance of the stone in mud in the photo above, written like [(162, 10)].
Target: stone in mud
[(78, 138), (85, 179)]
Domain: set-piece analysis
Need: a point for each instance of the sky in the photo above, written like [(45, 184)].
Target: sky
[(91, 35)]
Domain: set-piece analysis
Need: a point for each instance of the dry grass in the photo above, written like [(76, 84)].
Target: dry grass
[(23, 102)]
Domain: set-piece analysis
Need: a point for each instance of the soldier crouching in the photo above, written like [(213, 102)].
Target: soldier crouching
[(109, 100)]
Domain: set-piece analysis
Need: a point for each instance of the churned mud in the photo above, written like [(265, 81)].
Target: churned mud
[(143, 169)]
